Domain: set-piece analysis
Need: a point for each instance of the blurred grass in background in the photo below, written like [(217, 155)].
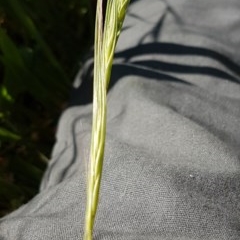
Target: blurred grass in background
[(41, 44)]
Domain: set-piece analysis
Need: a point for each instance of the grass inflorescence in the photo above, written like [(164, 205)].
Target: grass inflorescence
[(106, 36)]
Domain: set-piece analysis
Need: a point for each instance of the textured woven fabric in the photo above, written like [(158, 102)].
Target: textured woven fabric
[(172, 159)]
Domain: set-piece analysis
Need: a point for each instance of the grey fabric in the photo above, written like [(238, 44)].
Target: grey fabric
[(172, 165)]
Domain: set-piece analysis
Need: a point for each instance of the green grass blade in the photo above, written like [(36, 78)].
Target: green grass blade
[(6, 135), (28, 24)]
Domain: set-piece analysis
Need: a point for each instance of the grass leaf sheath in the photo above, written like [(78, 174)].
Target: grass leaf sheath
[(106, 36)]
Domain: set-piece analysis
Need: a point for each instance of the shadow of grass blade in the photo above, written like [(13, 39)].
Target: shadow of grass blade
[(105, 43)]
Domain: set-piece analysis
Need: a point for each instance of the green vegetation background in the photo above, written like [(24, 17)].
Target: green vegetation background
[(41, 46)]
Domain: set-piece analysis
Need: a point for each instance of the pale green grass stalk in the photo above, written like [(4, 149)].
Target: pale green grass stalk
[(105, 43)]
